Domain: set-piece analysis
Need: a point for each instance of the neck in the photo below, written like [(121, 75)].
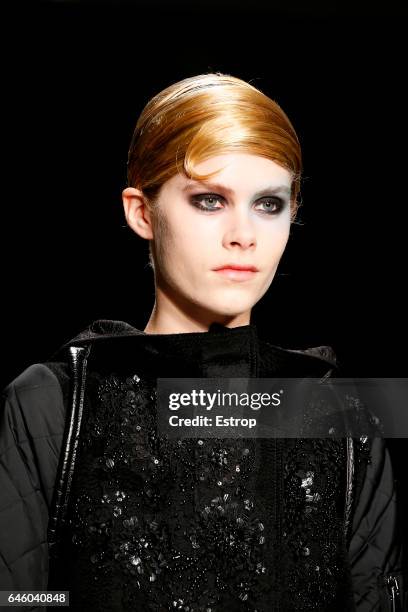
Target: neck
[(168, 317)]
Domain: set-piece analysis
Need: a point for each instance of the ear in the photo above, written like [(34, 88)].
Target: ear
[(137, 214)]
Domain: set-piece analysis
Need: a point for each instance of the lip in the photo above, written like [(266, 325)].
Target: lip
[(237, 273), (237, 267)]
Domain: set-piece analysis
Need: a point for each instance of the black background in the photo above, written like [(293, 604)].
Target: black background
[(76, 76)]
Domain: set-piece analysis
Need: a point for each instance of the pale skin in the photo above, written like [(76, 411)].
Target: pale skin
[(238, 227)]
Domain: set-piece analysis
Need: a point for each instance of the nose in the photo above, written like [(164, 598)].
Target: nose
[(240, 230)]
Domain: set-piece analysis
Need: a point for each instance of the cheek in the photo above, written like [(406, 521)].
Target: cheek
[(184, 253), (283, 241), (191, 242), (274, 243)]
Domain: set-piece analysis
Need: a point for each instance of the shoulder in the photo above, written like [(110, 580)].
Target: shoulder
[(324, 353), (101, 329), (311, 361), (33, 377), (33, 403)]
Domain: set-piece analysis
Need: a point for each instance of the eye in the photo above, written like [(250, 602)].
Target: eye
[(207, 202), (273, 206), (210, 198)]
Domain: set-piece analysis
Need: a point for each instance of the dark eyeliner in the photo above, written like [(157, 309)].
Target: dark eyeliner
[(195, 201), (279, 202)]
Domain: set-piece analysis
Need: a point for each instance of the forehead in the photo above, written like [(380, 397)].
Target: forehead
[(238, 173)]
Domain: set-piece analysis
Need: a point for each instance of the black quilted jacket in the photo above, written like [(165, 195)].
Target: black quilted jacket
[(33, 428)]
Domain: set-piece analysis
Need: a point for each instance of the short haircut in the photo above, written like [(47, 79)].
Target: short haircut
[(203, 116)]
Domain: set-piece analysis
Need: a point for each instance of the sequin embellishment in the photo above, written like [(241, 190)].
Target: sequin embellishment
[(162, 524)]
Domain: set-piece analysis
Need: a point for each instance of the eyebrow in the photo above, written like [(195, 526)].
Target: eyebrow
[(272, 189)]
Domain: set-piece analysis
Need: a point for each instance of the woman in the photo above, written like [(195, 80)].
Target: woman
[(100, 504)]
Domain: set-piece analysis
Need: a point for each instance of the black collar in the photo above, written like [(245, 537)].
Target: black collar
[(220, 351)]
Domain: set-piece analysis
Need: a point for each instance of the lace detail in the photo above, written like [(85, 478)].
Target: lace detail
[(313, 561), (160, 524), (206, 525)]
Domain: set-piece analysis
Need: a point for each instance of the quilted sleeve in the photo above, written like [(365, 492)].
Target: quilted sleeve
[(31, 429), (375, 551)]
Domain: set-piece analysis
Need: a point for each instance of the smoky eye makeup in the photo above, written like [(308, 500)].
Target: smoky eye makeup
[(206, 201), (210, 202), (272, 205)]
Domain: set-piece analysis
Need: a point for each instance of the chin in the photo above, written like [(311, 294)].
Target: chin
[(228, 309), (239, 301)]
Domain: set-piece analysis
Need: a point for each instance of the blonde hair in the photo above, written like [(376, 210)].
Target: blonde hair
[(203, 116)]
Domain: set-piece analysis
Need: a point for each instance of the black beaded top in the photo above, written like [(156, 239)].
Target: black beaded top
[(199, 525)]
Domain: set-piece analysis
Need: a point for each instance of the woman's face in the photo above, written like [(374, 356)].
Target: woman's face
[(240, 217)]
